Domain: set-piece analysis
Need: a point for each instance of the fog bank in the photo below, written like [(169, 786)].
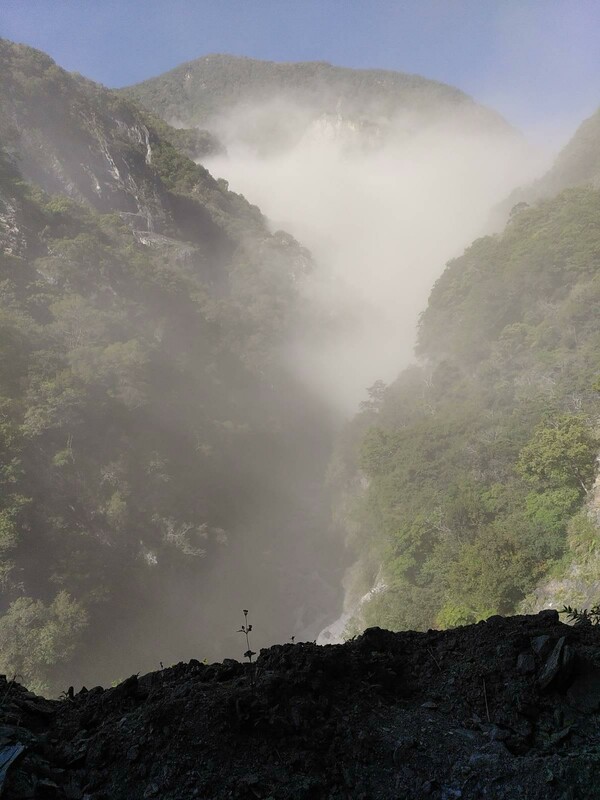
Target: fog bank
[(382, 206)]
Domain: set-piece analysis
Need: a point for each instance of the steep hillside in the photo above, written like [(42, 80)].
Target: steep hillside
[(479, 461), (76, 138), (202, 92), (577, 164), (150, 429)]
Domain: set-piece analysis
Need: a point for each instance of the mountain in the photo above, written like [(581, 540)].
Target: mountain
[(577, 164), (360, 166), (162, 463), (279, 101), (75, 137), (151, 428), (199, 90), (579, 161), (469, 485)]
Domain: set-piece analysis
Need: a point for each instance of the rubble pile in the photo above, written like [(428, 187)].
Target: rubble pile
[(508, 708)]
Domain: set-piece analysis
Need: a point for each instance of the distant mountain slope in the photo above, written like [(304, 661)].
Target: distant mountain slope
[(577, 164), (362, 166), (75, 137), (197, 92), (150, 429)]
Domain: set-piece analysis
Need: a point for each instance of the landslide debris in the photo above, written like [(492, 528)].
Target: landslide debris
[(508, 708)]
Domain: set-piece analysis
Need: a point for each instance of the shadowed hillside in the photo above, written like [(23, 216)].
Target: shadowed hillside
[(160, 464)]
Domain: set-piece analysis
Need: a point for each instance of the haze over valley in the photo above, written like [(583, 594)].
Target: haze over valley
[(212, 286), (382, 176)]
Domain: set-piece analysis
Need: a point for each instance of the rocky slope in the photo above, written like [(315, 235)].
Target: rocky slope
[(74, 137), (509, 708)]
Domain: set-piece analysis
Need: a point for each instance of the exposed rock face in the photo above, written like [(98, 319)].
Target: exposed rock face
[(69, 141), (76, 138), (17, 237), (443, 715), (10, 231)]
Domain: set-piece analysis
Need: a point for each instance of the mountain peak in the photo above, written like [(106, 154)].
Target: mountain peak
[(196, 91)]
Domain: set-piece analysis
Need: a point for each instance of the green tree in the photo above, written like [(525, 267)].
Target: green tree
[(561, 453), (36, 638)]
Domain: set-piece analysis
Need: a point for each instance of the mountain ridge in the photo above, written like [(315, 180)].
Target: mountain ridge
[(576, 164), (198, 90)]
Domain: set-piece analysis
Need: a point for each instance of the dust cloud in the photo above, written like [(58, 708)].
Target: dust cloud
[(382, 205)]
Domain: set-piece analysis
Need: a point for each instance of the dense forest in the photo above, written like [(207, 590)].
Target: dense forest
[(142, 383), (465, 488), (479, 460), (198, 91)]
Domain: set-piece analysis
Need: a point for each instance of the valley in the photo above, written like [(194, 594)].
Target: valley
[(207, 409)]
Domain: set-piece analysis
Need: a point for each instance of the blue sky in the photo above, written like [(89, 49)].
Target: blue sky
[(536, 61)]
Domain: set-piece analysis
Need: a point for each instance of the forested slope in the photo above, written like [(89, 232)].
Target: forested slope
[(276, 102), (161, 467), (214, 83), (577, 164), (479, 460), (150, 428)]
